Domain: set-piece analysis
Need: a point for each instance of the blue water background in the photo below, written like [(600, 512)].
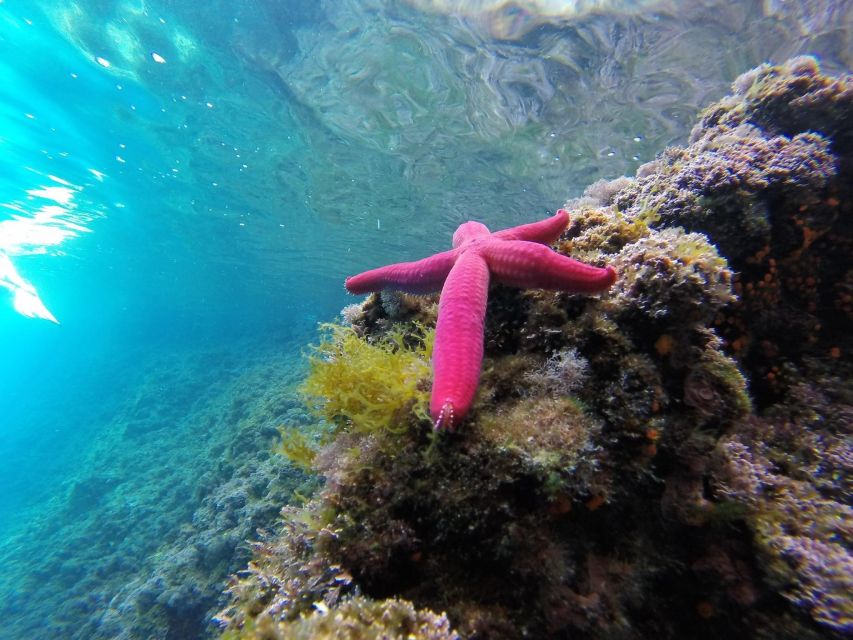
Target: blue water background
[(163, 258), (215, 201)]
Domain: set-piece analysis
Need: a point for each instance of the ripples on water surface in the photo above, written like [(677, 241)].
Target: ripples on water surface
[(179, 175)]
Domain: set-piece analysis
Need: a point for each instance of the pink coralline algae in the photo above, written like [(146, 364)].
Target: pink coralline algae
[(515, 256)]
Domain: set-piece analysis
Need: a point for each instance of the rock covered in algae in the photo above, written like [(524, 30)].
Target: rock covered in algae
[(292, 591), (767, 177), (629, 468), (792, 471)]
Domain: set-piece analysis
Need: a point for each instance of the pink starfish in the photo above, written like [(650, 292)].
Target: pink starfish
[(513, 256)]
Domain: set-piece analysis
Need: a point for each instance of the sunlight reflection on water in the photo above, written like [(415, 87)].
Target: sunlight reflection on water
[(50, 140), (513, 19), (39, 223)]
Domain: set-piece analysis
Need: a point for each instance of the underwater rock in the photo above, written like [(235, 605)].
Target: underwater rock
[(630, 468), (767, 177), (791, 470)]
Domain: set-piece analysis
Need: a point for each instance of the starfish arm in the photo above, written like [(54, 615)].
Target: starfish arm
[(535, 266), (545, 231), (422, 276), (458, 351)]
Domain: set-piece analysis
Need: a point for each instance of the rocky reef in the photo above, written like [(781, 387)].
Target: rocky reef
[(668, 459)]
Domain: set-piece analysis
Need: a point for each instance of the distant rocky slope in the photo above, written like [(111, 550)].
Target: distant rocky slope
[(159, 513)]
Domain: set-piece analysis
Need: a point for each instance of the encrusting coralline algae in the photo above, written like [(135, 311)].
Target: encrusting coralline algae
[(669, 459)]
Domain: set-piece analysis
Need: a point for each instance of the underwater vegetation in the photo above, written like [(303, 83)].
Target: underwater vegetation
[(669, 459), (369, 386)]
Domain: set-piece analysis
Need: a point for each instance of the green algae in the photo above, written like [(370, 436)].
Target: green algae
[(357, 618), (366, 386)]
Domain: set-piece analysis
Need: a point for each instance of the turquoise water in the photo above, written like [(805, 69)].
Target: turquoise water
[(185, 187)]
